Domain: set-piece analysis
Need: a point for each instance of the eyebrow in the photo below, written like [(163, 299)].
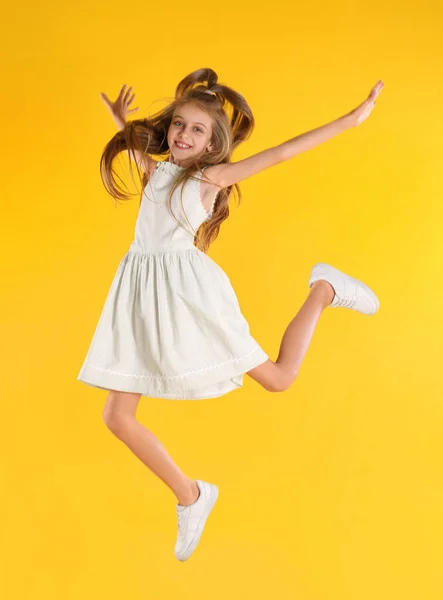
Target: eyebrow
[(179, 117)]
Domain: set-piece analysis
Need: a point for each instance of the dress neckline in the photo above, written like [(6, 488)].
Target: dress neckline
[(169, 164)]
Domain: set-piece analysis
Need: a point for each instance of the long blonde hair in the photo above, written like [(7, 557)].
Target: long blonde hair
[(149, 135)]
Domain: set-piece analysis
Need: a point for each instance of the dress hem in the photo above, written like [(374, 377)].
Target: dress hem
[(229, 378)]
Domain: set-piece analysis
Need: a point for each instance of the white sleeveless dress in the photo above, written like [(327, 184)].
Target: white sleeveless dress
[(171, 325)]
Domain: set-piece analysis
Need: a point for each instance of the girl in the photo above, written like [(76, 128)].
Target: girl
[(171, 326)]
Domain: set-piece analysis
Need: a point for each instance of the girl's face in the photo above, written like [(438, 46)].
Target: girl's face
[(189, 134)]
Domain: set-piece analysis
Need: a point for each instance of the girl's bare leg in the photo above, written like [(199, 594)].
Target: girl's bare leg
[(120, 410), (119, 416), (279, 375)]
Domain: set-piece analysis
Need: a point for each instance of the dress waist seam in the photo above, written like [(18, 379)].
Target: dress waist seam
[(162, 251)]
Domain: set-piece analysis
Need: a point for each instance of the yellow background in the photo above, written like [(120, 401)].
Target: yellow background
[(332, 490)]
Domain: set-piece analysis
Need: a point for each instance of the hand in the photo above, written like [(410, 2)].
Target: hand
[(362, 112), (120, 108)]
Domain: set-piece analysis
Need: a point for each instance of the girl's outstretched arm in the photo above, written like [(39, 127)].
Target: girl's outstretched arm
[(229, 173)]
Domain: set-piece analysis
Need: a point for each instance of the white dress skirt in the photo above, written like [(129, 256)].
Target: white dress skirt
[(171, 325)]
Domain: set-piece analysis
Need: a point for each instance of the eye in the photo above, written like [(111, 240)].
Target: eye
[(199, 128)]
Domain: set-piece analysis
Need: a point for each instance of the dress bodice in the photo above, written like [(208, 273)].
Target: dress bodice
[(156, 229)]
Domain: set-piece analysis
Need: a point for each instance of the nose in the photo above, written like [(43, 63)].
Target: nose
[(184, 139), (184, 134)]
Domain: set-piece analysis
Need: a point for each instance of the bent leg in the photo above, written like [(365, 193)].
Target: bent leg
[(279, 375), (119, 416)]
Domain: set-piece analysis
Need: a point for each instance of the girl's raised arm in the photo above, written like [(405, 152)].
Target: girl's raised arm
[(119, 111), (229, 173)]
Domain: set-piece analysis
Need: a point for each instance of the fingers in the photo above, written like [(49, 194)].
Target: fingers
[(105, 98), (122, 91), (119, 97), (377, 89), (127, 95), (123, 94)]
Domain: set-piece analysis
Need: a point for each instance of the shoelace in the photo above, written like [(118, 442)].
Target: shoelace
[(347, 302)]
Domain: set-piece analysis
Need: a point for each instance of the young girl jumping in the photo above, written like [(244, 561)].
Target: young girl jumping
[(171, 326)]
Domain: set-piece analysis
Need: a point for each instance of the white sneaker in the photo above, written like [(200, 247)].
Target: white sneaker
[(349, 292), (192, 518)]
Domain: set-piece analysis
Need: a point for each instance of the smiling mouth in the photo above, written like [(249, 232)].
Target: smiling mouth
[(185, 147)]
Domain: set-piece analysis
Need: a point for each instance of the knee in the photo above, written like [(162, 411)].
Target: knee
[(280, 385), (281, 382), (277, 387), (120, 407), (115, 420)]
